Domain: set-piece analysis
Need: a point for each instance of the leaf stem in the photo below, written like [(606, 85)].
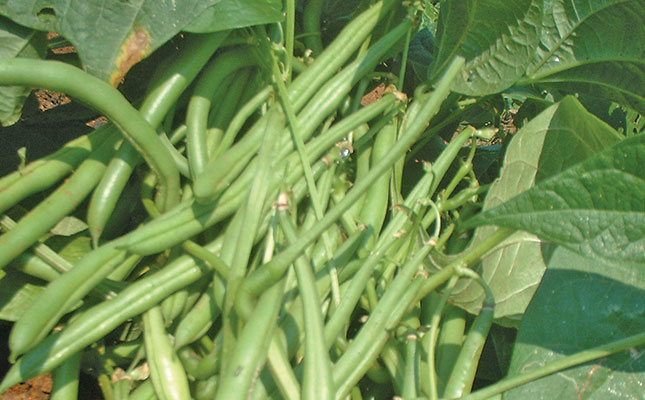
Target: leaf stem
[(559, 365)]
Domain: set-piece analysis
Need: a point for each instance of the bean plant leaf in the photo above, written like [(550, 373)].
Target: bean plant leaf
[(17, 291), (595, 47), (68, 226), (110, 36), (582, 303), (231, 14), (564, 134), (497, 38), (595, 208), (16, 41)]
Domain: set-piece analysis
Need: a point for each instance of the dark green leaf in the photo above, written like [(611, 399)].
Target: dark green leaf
[(582, 303), (497, 38), (110, 36), (230, 14), (17, 291), (595, 208), (596, 47), (16, 41), (562, 135), (420, 53)]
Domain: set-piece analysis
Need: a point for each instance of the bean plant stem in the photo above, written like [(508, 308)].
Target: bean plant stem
[(559, 365)]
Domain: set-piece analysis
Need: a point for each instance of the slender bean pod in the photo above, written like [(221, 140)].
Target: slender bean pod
[(463, 373), (65, 379), (42, 174), (105, 99), (273, 270), (99, 320), (167, 375), (317, 381), (59, 204), (162, 96), (251, 348), (200, 104), (311, 23)]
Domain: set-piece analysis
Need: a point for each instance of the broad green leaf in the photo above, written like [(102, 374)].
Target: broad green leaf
[(582, 303), (231, 14), (562, 135), (595, 47), (17, 291), (110, 36), (595, 208), (16, 41), (497, 38)]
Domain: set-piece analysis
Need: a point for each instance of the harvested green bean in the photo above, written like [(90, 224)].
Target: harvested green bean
[(41, 174), (105, 99), (65, 379), (273, 270), (59, 204), (162, 96), (200, 104), (103, 318), (317, 382), (167, 375)]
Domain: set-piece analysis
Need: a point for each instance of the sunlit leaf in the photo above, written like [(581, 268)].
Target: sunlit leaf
[(561, 136), (582, 303), (593, 46)]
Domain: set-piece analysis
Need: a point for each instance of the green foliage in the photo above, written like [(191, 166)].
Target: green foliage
[(265, 216)]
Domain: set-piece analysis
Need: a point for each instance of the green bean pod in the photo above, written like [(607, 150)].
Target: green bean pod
[(463, 373), (42, 174), (99, 320), (65, 379), (59, 204), (374, 207), (311, 24), (166, 372), (161, 97), (200, 318), (450, 341), (317, 380), (200, 104), (250, 351), (411, 373), (105, 99), (59, 296), (217, 174), (274, 269)]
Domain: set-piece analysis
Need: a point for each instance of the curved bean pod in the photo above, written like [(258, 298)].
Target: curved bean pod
[(200, 104), (105, 99), (161, 98)]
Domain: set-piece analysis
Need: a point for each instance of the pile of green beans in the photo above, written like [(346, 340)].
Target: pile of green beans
[(271, 214)]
